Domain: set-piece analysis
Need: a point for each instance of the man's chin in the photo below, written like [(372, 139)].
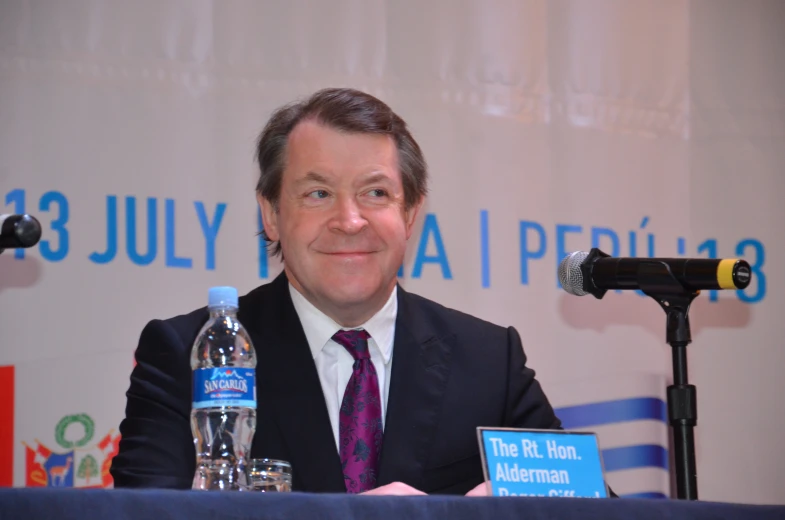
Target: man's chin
[(354, 291), (351, 296)]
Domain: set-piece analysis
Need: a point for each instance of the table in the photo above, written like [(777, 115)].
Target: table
[(122, 504)]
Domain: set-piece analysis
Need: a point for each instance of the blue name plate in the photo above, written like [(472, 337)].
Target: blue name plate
[(543, 463)]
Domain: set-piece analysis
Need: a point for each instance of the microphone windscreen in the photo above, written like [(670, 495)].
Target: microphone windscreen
[(570, 274)]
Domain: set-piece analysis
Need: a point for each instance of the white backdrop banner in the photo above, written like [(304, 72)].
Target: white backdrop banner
[(644, 127)]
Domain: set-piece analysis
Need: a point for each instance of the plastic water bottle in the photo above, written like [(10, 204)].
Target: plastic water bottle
[(223, 412)]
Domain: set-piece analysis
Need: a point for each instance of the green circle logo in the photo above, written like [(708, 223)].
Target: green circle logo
[(81, 418)]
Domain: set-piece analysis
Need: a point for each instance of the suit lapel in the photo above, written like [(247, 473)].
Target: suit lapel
[(288, 382), (420, 370)]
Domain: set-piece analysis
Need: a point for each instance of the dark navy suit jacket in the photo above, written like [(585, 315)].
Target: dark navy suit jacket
[(451, 373)]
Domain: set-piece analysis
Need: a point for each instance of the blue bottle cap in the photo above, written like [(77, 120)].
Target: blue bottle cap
[(222, 297)]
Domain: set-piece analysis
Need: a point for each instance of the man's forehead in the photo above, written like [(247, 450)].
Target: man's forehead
[(315, 149)]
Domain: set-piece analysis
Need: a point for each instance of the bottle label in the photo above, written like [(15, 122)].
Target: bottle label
[(224, 386)]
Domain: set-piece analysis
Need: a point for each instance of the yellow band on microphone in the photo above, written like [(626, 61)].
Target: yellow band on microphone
[(725, 273)]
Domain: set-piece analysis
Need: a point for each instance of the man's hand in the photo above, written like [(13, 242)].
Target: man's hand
[(479, 491), (396, 488)]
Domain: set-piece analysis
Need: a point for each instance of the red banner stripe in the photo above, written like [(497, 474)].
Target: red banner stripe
[(6, 426)]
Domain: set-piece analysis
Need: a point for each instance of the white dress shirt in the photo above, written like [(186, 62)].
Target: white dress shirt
[(334, 364)]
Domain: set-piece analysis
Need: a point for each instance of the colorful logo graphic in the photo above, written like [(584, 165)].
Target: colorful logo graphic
[(81, 466), (225, 374), (629, 414)]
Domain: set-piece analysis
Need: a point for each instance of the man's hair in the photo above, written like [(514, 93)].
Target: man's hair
[(346, 110)]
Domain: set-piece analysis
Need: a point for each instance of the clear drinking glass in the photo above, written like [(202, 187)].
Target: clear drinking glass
[(269, 475)]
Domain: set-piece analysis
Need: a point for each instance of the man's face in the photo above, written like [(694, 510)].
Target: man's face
[(341, 218)]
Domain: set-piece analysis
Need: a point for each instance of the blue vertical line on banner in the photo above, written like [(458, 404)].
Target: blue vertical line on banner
[(17, 198), (485, 267), (263, 261)]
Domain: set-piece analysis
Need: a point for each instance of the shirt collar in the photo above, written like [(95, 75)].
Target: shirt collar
[(320, 328)]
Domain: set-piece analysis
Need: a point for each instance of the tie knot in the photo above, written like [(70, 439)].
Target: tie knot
[(354, 341)]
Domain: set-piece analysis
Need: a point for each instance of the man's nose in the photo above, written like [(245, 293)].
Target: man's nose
[(348, 217)]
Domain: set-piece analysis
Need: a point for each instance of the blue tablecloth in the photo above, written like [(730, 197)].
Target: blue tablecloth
[(67, 504)]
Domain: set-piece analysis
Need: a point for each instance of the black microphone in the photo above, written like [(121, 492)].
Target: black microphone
[(17, 231), (582, 273)]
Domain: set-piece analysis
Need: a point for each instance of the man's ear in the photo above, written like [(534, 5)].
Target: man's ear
[(269, 218), (410, 216)]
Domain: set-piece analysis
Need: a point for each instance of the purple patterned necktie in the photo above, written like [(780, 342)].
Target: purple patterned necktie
[(360, 418)]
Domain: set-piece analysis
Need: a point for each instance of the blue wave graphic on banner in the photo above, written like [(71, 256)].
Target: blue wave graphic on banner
[(652, 494), (607, 412), (622, 411), (640, 456)]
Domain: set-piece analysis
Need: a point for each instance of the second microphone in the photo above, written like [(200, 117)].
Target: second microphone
[(582, 273)]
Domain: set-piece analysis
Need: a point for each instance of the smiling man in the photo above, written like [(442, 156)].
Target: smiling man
[(340, 216), (339, 342)]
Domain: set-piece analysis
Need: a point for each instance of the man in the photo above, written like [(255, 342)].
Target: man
[(338, 341)]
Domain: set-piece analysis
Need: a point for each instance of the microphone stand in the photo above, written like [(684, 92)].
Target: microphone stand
[(656, 280)]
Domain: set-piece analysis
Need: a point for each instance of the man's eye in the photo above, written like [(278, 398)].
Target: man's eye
[(377, 193), (318, 194)]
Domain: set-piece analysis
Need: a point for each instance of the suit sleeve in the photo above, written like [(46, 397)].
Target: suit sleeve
[(527, 405), (156, 446)]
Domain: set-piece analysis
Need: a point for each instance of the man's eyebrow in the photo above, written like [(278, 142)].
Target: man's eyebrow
[(376, 177)]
